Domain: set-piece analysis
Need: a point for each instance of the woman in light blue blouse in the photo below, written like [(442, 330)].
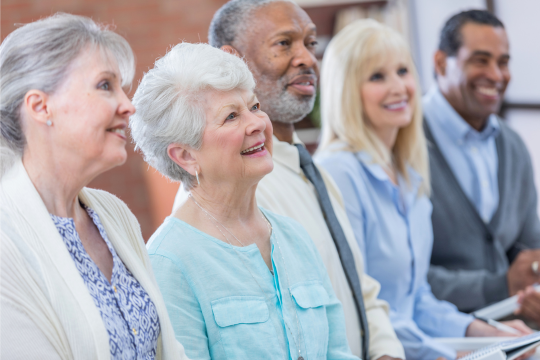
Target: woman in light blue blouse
[(239, 282), (373, 146)]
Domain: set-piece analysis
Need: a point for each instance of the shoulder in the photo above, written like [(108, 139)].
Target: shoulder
[(512, 140), (286, 225)]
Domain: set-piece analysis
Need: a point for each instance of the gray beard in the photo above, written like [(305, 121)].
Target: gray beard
[(279, 104)]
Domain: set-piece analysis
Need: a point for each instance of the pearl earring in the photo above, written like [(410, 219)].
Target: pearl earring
[(49, 123), (197, 176)]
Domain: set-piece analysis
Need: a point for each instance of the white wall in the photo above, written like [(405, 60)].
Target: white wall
[(427, 20), (522, 24)]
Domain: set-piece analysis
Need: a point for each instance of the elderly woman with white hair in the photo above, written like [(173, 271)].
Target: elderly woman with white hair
[(239, 282), (76, 278)]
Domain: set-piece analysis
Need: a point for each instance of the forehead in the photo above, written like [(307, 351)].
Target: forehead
[(485, 38), (280, 16)]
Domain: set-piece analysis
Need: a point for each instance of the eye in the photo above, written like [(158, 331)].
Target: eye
[(313, 43), (256, 107), (376, 77), (284, 43), (104, 85), (231, 116), (403, 71)]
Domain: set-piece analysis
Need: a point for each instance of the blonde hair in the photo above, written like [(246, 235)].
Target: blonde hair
[(350, 59)]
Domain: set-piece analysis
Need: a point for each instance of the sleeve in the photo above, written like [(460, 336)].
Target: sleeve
[(448, 321), (468, 289), (382, 338), (416, 343), (183, 308)]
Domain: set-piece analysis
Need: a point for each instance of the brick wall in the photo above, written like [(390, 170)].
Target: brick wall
[(151, 27)]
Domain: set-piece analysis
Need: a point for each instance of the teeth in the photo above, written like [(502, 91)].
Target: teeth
[(487, 91), (396, 105), (252, 148), (119, 131)]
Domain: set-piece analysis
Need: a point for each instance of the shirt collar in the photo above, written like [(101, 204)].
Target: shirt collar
[(439, 112), (287, 154), (408, 189)]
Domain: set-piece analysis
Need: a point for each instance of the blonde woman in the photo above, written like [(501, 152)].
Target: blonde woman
[(374, 147)]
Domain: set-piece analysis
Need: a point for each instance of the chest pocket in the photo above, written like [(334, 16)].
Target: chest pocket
[(245, 328), (311, 299)]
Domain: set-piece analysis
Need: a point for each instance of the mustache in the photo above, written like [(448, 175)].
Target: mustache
[(286, 79)]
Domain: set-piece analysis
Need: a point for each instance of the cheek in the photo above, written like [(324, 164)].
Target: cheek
[(372, 97)]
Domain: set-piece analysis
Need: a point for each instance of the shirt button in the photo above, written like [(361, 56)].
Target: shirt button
[(134, 331), (114, 287)]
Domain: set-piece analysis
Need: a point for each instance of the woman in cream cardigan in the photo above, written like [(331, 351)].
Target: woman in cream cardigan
[(76, 279)]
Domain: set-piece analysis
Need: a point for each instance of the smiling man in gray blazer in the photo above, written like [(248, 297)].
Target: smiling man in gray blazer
[(485, 222)]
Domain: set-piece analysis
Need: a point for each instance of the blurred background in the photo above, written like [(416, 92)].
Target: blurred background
[(152, 26)]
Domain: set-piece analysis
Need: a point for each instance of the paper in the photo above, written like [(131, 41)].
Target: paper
[(501, 309)]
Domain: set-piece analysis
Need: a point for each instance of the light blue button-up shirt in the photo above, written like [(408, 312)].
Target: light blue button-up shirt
[(224, 303), (472, 155), (392, 225)]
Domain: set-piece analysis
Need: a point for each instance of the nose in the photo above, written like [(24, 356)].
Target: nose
[(304, 58), (125, 107), (397, 84), (255, 124), (494, 72)]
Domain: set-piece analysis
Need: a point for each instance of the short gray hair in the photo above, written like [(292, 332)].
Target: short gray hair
[(37, 56), (231, 19), (169, 105)]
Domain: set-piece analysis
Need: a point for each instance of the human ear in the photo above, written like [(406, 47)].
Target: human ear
[(184, 157), (440, 62), (231, 50), (36, 106)]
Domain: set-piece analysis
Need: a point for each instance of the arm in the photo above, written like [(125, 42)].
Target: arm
[(182, 305), (468, 289), (439, 318)]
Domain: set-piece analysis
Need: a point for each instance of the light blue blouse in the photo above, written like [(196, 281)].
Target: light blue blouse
[(392, 225), (224, 302)]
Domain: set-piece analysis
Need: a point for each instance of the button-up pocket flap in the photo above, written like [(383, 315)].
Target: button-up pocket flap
[(310, 294), (240, 310)]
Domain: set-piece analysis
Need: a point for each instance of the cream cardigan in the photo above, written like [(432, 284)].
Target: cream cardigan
[(46, 309)]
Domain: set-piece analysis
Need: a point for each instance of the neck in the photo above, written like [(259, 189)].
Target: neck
[(228, 203), (57, 183), (283, 131), (387, 136), (477, 122)]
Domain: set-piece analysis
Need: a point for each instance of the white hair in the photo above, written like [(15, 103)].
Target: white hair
[(169, 106), (232, 20), (37, 56)]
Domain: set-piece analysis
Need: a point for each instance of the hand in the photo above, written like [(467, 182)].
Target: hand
[(386, 357), (461, 354), (529, 301), (479, 328), (441, 358), (520, 275)]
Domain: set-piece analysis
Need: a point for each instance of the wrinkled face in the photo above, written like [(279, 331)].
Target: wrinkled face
[(478, 75), (90, 113), (237, 140), (279, 47), (388, 95)]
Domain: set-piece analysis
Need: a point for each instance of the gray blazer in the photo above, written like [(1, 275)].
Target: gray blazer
[(470, 258)]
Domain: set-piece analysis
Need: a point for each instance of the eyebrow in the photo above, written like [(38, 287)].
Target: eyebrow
[(488, 54), (293, 31)]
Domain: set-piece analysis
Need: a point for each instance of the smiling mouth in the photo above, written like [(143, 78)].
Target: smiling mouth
[(487, 91), (396, 106), (119, 131), (253, 150)]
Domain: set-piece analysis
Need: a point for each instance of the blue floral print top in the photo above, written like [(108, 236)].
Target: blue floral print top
[(128, 313)]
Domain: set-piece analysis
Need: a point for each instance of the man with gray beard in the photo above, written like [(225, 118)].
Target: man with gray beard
[(277, 39)]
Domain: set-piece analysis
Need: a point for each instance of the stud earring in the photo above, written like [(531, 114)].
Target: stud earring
[(49, 123), (197, 176)]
